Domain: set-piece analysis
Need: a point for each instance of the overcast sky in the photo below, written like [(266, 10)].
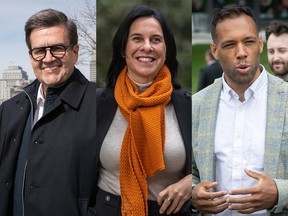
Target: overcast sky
[(13, 15)]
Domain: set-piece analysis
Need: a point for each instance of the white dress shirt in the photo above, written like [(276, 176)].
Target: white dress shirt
[(240, 137), (40, 105)]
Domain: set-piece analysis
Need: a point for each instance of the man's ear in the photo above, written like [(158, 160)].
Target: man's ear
[(261, 45), (214, 50)]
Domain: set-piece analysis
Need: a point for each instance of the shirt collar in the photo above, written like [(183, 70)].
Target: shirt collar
[(40, 95), (211, 62)]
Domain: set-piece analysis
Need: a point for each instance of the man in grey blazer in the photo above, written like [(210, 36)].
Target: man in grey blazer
[(239, 126)]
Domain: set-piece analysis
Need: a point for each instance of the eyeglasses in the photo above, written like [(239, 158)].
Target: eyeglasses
[(57, 51)]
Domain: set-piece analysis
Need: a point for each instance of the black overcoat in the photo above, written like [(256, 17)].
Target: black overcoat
[(61, 170)]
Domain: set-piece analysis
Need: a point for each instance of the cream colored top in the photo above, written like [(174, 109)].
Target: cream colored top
[(174, 156)]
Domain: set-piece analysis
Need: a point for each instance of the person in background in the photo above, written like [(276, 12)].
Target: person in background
[(277, 48), (48, 132), (239, 127), (212, 71), (144, 118)]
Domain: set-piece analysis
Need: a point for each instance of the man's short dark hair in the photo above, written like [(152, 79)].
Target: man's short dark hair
[(49, 18), (276, 27), (228, 12)]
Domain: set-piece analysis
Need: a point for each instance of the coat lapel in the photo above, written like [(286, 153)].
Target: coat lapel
[(106, 107), (182, 105), (276, 111), (208, 114)]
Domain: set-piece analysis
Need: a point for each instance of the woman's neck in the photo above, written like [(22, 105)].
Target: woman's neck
[(141, 86)]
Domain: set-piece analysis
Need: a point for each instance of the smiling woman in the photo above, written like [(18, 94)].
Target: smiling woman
[(146, 50), (149, 127), (178, 14)]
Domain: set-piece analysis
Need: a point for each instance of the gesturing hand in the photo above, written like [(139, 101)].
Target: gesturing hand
[(206, 201), (264, 195)]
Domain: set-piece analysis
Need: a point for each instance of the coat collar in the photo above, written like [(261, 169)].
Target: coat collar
[(71, 92)]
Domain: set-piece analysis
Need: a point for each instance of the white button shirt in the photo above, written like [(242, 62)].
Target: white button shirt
[(240, 137), (40, 105)]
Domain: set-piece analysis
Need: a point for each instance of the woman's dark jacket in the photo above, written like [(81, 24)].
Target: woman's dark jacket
[(61, 168), (107, 106)]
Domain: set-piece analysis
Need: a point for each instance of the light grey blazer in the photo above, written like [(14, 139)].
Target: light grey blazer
[(204, 114)]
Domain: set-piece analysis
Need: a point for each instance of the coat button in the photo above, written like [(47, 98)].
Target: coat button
[(107, 198), (33, 187), (7, 184)]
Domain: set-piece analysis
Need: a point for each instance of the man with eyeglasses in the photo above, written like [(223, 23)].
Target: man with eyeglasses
[(47, 133)]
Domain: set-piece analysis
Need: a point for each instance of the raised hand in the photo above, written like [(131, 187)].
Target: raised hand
[(206, 201)]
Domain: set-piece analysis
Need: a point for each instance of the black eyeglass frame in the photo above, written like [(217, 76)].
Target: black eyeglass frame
[(50, 50)]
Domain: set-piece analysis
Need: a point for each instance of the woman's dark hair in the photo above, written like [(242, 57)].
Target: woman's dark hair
[(121, 37), (229, 12), (49, 18)]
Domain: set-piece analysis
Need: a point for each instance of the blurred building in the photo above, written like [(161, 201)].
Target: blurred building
[(93, 68), (14, 79)]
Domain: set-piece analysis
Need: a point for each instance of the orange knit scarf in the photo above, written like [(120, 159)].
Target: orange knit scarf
[(143, 143)]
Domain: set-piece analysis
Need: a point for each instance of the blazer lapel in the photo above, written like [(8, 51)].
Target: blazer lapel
[(276, 111), (208, 115)]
